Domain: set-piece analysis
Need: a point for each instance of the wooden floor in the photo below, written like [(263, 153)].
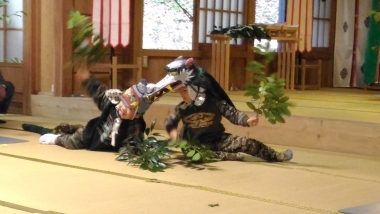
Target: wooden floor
[(330, 103), (338, 120), (333, 119), (340, 104), (49, 179)]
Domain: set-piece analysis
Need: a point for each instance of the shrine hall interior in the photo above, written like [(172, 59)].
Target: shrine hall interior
[(326, 51)]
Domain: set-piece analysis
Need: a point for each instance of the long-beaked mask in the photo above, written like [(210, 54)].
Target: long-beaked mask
[(133, 97), (184, 71)]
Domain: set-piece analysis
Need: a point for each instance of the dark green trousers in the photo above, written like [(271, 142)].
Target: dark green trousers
[(71, 141)]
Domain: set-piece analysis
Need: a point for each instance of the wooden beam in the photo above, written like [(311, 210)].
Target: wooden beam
[(114, 67), (137, 35), (31, 53), (63, 81)]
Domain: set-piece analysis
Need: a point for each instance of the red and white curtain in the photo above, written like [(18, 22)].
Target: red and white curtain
[(350, 42), (111, 19), (300, 12)]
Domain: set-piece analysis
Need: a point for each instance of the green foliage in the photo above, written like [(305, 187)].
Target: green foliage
[(16, 60), (247, 32), (7, 17), (195, 151), (267, 92), (87, 47), (147, 152)]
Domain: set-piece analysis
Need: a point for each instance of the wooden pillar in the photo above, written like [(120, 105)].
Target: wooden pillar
[(64, 74), (220, 59), (114, 72), (31, 53), (286, 37)]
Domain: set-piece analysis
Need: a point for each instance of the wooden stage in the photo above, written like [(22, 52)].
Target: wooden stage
[(331, 119)]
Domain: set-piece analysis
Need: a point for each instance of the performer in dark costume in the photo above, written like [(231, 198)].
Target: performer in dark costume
[(201, 111), (6, 93), (120, 122)]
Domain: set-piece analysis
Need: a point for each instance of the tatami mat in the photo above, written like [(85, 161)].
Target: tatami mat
[(51, 178), (7, 210)]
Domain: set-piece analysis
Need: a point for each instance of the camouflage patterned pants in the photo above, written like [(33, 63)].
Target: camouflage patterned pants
[(229, 145), (71, 141)]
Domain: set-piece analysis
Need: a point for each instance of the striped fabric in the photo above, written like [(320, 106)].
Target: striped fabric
[(300, 12), (111, 20)]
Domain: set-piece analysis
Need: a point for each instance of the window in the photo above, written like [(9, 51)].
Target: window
[(11, 34), (321, 23), (219, 14), (168, 25), (269, 12)]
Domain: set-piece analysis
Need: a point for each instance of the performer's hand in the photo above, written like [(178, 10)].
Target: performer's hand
[(173, 134), (253, 121), (82, 74)]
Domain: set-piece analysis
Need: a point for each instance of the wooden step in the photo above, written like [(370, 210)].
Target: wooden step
[(334, 125)]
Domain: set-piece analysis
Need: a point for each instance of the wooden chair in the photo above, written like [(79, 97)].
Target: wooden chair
[(112, 70), (301, 72)]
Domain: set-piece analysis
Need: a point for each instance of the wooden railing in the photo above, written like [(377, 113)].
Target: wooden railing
[(114, 67), (286, 37), (287, 42)]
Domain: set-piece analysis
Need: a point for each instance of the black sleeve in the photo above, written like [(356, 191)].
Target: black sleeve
[(10, 90), (172, 121), (96, 90)]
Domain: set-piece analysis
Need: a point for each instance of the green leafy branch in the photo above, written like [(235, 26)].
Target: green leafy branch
[(248, 32), (147, 153), (267, 92), (87, 47), (195, 151)]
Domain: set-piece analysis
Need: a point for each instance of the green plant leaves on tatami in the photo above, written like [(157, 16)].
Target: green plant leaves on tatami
[(147, 151), (195, 151)]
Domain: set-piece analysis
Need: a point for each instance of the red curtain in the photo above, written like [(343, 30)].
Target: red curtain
[(111, 20)]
